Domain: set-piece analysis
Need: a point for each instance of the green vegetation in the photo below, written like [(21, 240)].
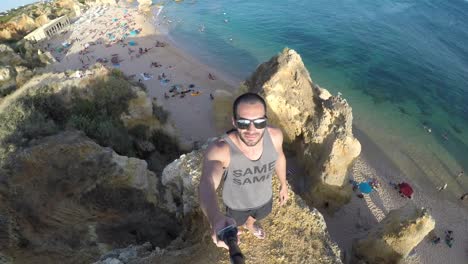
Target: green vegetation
[(42, 112), (11, 14)]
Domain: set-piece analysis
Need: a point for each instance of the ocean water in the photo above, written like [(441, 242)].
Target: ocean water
[(402, 65)]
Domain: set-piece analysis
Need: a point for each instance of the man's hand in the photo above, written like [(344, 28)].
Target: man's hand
[(219, 223), (283, 195)]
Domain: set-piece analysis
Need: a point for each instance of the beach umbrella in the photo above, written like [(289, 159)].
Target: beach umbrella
[(134, 32), (365, 187), (405, 189)]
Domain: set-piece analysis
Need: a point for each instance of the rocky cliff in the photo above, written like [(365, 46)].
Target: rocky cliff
[(26, 19), (144, 5), (66, 197), (71, 195), (316, 125), (296, 233), (16, 67), (395, 236), (63, 196)]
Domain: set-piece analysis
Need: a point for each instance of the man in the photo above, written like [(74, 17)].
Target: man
[(244, 160)]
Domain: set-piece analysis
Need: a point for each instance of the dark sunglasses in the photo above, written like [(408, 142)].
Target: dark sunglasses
[(259, 123)]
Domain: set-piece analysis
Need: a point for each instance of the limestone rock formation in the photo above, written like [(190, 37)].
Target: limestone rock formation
[(101, 2), (140, 112), (41, 20), (35, 15), (67, 197), (144, 5), (23, 74), (6, 73), (26, 23), (395, 236), (8, 56), (316, 125)]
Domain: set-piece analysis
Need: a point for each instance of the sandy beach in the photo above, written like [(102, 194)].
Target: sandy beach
[(95, 37), (159, 65)]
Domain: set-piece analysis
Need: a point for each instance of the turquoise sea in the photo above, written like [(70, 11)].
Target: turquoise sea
[(402, 65)]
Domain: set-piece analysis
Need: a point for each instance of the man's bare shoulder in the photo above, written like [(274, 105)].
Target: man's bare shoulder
[(276, 134), (218, 150)]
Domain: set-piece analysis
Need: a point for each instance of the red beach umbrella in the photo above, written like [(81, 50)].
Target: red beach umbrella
[(405, 189)]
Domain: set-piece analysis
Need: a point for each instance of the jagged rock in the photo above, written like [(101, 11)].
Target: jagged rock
[(8, 56), (7, 80), (144, 5), (101, 2), (69, 196), (395, 236), (316, 124), (41, 20), (26, 23), (140, 112), (45, 57), (23, 74), (5, 73), (127, 255)]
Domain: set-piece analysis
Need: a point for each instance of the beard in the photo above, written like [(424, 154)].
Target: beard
[(251, 142)]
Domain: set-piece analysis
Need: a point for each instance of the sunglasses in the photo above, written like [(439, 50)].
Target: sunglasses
[(259, 123)]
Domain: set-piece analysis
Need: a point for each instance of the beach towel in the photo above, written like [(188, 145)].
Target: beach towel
[(146, 77)]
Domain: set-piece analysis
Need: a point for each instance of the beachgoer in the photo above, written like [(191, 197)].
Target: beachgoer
[(441, 188), (244, 160), (464, 196), (435, 240), (460, 173), (449, 238), (211, 96), (374, 183), (445, 136)]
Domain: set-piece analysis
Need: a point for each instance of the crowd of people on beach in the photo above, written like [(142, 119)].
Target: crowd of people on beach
[(116, 29)]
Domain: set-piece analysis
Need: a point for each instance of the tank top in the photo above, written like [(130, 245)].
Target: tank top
[(247, 183)]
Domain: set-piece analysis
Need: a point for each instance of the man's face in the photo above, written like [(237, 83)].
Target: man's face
[(252, 135)]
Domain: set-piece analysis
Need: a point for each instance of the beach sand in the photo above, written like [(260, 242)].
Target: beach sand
[(192, 116)]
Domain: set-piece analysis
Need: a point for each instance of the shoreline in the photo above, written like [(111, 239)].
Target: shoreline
[(231, 80), (192, 117), (354, 219)]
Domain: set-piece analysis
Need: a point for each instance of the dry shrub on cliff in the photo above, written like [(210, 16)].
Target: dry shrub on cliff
[(41, 112), (94, 107)]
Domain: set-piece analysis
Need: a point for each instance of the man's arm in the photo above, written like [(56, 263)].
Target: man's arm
[(212, 173), (216, 157), (277, 138)]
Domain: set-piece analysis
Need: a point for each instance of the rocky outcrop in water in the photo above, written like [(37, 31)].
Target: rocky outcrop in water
[(316, 125), (395, 236)]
